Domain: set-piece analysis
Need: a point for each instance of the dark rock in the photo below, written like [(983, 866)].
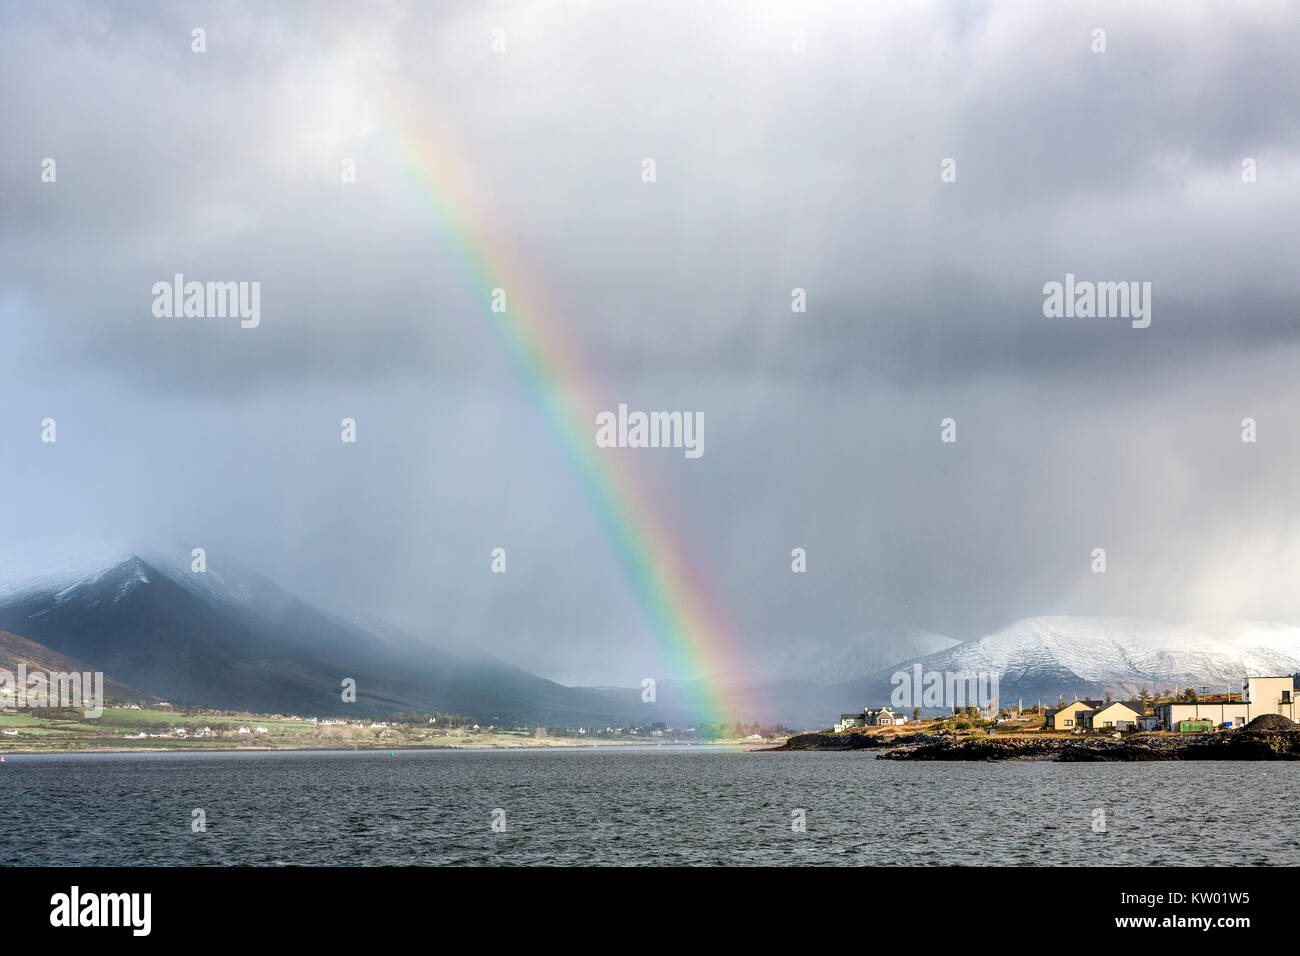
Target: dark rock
[(851, 741), (1235, 745), (1273, 722)]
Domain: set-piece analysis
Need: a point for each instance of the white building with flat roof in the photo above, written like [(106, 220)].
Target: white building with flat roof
[(1260, 695)]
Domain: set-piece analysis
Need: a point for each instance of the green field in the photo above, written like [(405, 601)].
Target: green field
[(118, 729)]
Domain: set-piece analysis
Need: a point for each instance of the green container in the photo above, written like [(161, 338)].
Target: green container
[(1195, 726)]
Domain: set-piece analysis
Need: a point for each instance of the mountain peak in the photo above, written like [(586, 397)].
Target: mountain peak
[(54, 564), (1054, 654), (229, 637)]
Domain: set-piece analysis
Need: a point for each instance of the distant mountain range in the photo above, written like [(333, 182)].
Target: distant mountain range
[(1040, 658), (229, 638), (1046, 657)]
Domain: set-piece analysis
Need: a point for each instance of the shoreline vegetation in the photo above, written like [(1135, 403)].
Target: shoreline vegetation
[(935, 740), (164, 730)]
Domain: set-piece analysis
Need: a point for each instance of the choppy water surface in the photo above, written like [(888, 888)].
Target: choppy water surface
[(637, 806)]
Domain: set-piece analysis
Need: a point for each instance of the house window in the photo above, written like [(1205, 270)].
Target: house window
[(1069, 723)]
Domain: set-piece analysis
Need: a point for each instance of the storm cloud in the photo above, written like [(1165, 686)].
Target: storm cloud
[(775, 170)]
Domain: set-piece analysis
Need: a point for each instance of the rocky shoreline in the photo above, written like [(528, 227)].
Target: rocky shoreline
[(826, 741), (1228, 745)]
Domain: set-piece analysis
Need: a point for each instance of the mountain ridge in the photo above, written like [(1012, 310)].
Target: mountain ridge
[(237, 640), (233, 639)]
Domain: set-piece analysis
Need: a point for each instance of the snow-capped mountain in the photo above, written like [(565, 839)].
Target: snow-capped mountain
[(1049, 656), (231, 638), (58, 565), (51, 566)]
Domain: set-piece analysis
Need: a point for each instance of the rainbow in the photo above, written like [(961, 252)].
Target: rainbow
[(679, 610)]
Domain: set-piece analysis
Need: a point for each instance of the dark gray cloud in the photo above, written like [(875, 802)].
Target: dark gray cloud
[(775, 170)]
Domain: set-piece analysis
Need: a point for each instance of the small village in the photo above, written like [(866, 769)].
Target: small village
[(1183, 711)]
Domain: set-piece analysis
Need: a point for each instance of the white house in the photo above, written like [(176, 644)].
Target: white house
[(1260, 695), (883, 717)]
